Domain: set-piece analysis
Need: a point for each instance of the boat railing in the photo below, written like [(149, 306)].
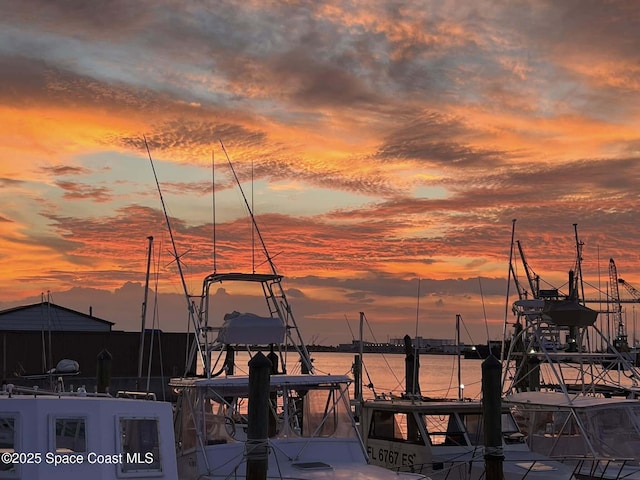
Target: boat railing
[(10, 389), (136, 395), (605, 468)]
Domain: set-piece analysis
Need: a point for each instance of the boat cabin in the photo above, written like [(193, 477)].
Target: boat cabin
[(81, 435), (445, 439), (579, 425)]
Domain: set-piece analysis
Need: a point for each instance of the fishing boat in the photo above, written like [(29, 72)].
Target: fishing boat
[(443, 437), (311, 430), (572, 399), (78, 435), (445, 440)]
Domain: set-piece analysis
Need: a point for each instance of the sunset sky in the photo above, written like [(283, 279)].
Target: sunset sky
[(379, 143)]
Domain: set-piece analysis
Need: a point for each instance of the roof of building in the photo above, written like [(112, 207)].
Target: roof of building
[(57, 308)]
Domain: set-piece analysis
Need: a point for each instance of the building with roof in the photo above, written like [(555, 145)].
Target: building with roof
[(35, 338), (47, 316)]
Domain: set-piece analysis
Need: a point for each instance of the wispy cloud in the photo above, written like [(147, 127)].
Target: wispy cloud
[(386, 141)]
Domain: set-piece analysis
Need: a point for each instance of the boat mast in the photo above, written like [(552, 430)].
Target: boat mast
[(458, 316), (144, 311), (178, 262), (509, 276)]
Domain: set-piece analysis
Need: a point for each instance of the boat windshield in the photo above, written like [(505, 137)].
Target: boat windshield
[(295, 411), (444, 429), (473, 424), (614, 431)]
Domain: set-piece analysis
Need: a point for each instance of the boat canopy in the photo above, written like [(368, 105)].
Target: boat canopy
[(251, 329), (239, 384), (569, 313), (545, 400)]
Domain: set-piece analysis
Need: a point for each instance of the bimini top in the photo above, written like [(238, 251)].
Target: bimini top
[(239, 384), (251, 329), (432, 406), (546, 400), (242, 277)]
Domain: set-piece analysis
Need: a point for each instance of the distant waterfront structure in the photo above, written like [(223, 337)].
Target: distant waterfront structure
[(396, 345), (431, 345), (370, 347)]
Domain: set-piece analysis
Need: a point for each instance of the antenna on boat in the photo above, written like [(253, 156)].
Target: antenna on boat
[(251, 215), (253, 233), (578, 280), (175, 253), (304, 353), (416, 348), (213, 202), (484, 312), (506, 305), (458, 317), (144, 311)]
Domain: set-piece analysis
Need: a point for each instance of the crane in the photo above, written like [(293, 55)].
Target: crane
[(621, 335), (533, 281), (631, 289)]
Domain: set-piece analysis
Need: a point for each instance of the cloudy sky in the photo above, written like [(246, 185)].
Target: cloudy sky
[(385, 148)]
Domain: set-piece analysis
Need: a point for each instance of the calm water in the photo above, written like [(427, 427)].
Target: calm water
[(438, 373)]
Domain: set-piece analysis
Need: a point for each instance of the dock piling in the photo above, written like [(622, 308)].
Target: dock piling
[(492, 417), (257, 444)]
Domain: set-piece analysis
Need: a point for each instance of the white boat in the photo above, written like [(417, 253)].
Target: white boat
[(601, 435), (312, 433), (78, 436), (571, 397), (445, 440)]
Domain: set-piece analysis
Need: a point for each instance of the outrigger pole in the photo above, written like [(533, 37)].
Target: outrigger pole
[(176, 256), (306, 359)]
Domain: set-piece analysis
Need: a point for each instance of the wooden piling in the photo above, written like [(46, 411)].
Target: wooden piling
[(411, 368), (103, 371), (357, 384), (257, 444), (492, 417)]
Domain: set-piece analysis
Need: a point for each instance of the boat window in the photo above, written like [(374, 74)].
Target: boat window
[(185, 430), (140, 445), (7, 443), (326, 413), (509, 424), (395, 426), (473, 424), (510, 431), (474, 427), (444, 430), (614, 432), (70, 435), (220, 423)]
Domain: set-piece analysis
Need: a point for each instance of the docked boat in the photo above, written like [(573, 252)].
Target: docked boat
[(311, 430), (573, 401), (312, 433), (445, 440), (601, 434), (78, 435)]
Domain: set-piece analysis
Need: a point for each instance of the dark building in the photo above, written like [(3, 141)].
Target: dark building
[(34, 338), (47, 316)]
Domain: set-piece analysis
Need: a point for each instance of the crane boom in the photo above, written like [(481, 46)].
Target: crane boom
[(615, 297), (530, 278), (631, 289)]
